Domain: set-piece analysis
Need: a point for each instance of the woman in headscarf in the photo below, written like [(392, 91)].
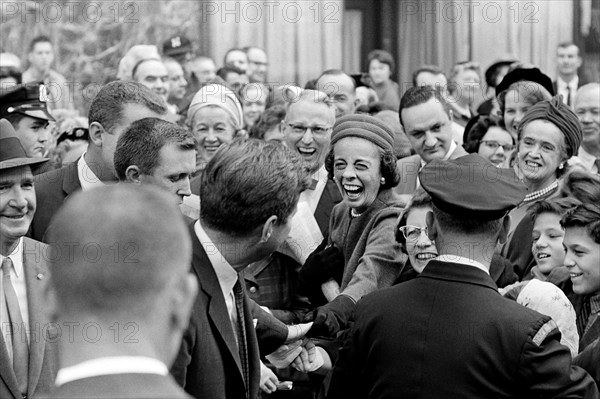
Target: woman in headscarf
[(215, 117), (361, 230), (548, 135)]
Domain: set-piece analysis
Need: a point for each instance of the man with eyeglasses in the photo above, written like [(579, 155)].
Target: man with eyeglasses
[(307, 130), (449, 333)]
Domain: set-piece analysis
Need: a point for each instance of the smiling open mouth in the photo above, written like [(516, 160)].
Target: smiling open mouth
[(542, 256), (306, 151), (15, 217), (426, 256), (353, 191), (574, 275)]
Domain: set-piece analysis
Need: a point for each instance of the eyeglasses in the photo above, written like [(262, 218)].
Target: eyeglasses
[(316, 130), (494, 145), (412, 233)]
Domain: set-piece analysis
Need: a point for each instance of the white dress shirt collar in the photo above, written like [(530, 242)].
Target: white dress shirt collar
[(16, 256), (87, 178), (109, 366), (462, 261), (225, 272)]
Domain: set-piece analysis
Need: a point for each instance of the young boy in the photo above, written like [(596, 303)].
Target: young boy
[(547, 235), (582, 243)]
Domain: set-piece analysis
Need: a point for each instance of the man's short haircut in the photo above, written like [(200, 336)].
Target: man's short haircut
[(556, 206), (248, 181), (270, 118), (337, 72), (459, 224), (419, 95), (586, 216), (109, 254), (38, 39), (432, 69), (568, 44), (382, 56), (231, 50), (306, 95), (141, 143), (107, 106)]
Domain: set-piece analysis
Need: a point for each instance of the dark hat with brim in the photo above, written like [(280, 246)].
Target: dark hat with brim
[(177, 45), (12, 154), (471, 187), (526, 74)]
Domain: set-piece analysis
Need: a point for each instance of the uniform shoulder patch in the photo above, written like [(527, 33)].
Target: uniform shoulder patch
[(543, 332)]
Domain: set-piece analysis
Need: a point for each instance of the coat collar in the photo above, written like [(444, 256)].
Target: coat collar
[(458, 273)]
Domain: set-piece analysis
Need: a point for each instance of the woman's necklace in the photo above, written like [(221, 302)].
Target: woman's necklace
[(540, 193)]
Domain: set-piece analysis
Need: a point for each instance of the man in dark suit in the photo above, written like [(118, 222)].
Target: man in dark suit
[(427, 120), (249, 192), (115, 106), (568, 81), (133, 291), (449, 333), (28, 350)]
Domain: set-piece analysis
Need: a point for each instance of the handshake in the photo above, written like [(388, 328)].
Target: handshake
[(298, 351)]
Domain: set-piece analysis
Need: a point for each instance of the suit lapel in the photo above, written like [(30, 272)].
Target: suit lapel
[(7, 373), (35, 275), (71, 179), (217, 310), (330, 196)]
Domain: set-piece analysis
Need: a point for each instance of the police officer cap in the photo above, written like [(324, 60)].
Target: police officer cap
[(176, 45), (472, 187), (27, 99)]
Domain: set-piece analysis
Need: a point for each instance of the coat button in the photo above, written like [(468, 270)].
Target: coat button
[(40, 276), (253, 290)]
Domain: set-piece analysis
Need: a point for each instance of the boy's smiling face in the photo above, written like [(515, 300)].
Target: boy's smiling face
[(583, 260)]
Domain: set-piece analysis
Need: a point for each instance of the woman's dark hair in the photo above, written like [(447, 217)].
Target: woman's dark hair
[(382, 56), (421, 199), (387, 167), (474, 132)]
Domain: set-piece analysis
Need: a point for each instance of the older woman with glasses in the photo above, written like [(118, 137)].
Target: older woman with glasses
[(412, 235), (549, 134), (360, 253), (486, 136)]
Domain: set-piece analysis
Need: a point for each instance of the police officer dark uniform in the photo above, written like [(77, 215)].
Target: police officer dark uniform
[(449, 333), (25, 107)]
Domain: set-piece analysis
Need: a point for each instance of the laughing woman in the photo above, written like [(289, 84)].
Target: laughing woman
[(215, 117), (361, 229), (549, 134)]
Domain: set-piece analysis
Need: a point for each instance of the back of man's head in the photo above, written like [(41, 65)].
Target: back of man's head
[(107, 106), (419, 95), (247, 182), (109, 256), (141, 143)]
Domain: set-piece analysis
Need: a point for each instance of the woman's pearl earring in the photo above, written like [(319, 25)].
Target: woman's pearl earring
[(382, 181)]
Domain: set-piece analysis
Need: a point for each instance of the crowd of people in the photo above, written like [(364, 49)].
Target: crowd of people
[(203, 233)]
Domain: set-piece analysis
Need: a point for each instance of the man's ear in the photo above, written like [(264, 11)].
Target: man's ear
[(96, 131), (432, 232), (183, 300), (503, 234), (267, 229), (133, 174)]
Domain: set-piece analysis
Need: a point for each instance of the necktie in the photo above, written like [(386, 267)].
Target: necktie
[(568, 96), (238, 294), (19, 341)]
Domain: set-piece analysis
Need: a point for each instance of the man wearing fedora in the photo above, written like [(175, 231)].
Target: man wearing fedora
[(28, 349), (25, 107)]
